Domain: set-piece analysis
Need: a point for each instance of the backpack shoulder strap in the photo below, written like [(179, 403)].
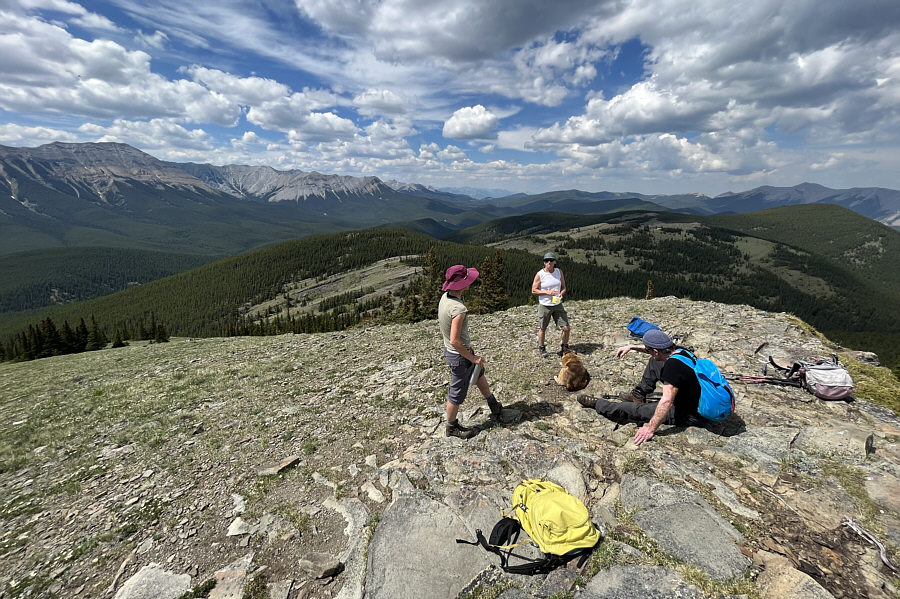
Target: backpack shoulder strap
[(685, 357)]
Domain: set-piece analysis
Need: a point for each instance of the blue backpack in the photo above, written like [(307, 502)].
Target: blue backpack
[(716, 396), (638, 326)]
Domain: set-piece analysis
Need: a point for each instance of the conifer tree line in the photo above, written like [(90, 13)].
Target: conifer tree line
[(46, 339)]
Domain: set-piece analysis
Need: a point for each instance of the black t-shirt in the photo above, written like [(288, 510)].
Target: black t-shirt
[(680, 375)]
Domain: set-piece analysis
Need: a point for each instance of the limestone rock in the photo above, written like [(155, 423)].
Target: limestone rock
[(153, 582), (780, 580), (279, 466), (628, 582), (321, 565)]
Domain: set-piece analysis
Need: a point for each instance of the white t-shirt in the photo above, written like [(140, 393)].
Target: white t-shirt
[(449, 308), (550, 280)]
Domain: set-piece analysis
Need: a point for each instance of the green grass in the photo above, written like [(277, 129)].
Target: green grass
[(874, 384)]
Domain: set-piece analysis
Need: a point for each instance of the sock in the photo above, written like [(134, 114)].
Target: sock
[(453, 422)]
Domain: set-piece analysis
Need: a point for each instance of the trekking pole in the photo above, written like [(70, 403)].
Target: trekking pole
[(753, 379), (616, 396)]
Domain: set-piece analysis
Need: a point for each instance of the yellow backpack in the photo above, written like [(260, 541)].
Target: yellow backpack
[(557, 522)]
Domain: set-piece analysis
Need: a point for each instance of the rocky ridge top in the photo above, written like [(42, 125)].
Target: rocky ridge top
[(314, 466), (263, 183)]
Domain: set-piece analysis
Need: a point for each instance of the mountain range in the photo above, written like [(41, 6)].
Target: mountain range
[(111, 194)]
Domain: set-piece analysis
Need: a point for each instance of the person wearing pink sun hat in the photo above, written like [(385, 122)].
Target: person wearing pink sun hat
[(458, 352)]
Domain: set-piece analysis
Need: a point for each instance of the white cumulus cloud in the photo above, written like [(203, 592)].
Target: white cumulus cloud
[(471, 122)]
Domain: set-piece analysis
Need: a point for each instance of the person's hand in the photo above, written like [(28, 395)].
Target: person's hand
[(645, 433), (478, 360), (623, 350)]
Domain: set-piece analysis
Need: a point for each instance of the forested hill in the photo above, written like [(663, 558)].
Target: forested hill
[(865, 246), (311, 284), (39, 278)]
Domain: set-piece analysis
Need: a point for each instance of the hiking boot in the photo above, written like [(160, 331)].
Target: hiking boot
[(543, 351), (587, 401), (458, 430), (633, 395), (495, 406), (563, 348)]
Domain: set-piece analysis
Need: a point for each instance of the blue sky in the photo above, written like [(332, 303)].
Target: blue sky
[(656, 96)]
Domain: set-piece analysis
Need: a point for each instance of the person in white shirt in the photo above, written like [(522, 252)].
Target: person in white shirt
[(550, 286)]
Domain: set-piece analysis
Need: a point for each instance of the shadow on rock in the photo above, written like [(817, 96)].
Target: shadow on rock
[(730, 427), (586, 348)]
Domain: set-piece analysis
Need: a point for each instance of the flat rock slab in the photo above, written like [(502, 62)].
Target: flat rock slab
[(273, 469), (765, 445), (690, 532), (628, 582), (230, 580), (414, 553), (781, 581), (841, 439), (152, 582)]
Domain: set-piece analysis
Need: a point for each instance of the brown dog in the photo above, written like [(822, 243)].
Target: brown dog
[(573, 375)]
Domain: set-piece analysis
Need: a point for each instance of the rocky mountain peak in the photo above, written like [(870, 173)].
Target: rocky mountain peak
[(271, 185)]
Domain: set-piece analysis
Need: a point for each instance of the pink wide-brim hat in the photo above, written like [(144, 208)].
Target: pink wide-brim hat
[(458, 277)]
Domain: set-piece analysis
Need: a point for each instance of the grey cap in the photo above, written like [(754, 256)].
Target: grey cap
[(656, 339), (550, 256)]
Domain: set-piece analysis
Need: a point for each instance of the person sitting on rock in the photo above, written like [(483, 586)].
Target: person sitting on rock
[(680, 398), (458, 351), (652, 371)]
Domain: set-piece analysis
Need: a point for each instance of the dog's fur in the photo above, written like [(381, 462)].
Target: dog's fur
[(573, 375)]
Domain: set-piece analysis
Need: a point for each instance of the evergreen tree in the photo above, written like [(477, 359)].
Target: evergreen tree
[(53, 342), (434, 279), (69, 338), (143, 335), (162, 336), (96, 338), (81, 336), (36, 343), (490, 295), (118, 341)]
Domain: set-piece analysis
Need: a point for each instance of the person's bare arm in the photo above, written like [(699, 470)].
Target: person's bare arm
[(456, 341), (627, 348), (646, 432)]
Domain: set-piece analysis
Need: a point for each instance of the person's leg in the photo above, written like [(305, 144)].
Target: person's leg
[(544, 320), (652, 372), (460, 370), (625, 412), (495, 406), (561, 318)]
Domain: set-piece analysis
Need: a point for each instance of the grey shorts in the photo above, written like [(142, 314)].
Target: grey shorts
[(557, 313), (460, 373)]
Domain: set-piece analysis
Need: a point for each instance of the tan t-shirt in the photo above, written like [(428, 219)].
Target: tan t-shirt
[(449, 308)]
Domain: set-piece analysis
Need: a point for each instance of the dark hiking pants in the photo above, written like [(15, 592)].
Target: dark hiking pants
[(625, 412), (650, 377)]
